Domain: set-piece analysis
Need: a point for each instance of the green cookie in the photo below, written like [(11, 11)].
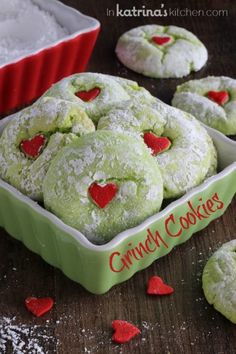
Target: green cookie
[(212, 100), (188, 138), (219, 280), (115, 168), (97, 93), (161, 51), (134, 118), (57, 122)]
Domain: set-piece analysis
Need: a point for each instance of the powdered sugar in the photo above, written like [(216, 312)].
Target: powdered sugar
[(24, 27), (21, 339), (128, 189)]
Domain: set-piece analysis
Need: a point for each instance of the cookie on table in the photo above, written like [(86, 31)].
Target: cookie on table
[(182, 148), (219, 280), (32, 139), (212, 100), (97, 93), (161, 51), (102, 184)]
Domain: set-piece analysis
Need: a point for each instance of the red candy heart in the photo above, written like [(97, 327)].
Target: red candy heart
[(33, 147), (124, 331), (90, 95), (39, 306), (160, 40), (156, 286), (155, 143), (220, 97), (102, 194)]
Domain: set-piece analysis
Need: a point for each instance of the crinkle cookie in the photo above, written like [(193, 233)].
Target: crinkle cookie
[(133, 118), (161, 51), (97, 93), (219, 280), (32, 139), (182, 147), (102, 184), (212, 100)]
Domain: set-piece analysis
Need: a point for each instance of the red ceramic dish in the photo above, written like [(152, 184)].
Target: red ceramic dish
[(28, 77)]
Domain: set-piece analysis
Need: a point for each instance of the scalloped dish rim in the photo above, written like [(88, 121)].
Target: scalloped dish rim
[(95, 24)]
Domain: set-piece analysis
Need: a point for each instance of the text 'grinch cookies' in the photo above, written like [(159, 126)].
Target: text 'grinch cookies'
[(161, 51), (212, 100), (33, 138), (103, 184)]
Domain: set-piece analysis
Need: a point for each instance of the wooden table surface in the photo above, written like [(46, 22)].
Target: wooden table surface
[(81, 322)]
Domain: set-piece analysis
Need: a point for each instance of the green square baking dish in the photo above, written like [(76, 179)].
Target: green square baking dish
[(98, 268)]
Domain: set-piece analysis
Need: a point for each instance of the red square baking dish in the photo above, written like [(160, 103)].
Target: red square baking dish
[(27, 78)]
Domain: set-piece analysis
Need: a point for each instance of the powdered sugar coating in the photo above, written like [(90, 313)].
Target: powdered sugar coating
[(188, 139), (114, 90), (192, 157), (219, 280), (133, 117), (192, 97), (103, 157), (183, 53), (61, 122)]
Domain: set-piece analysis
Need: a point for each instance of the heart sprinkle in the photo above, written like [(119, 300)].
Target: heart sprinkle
[(160, 40), (156, 286), (220, 97), (39, 306), (124, 331), (155, 143), (34, 146), (102, 194), (90, 95)]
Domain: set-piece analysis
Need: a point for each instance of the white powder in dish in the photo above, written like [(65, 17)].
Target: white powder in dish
[(24, 27)]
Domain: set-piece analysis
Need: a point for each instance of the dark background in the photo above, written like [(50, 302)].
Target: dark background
[(81, 322)]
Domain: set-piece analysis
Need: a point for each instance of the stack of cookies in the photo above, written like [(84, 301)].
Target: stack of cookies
[(101, 153)]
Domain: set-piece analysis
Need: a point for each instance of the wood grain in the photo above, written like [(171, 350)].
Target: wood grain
[(181, 323)]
